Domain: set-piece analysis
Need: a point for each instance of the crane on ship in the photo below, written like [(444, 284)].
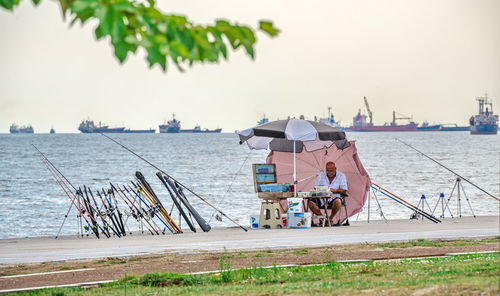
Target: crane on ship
[(368, 110), (402, 117)]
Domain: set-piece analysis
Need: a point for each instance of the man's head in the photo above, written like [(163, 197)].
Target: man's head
[(330, 169)]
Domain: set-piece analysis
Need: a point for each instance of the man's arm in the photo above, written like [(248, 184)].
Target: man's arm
[(340, 191)]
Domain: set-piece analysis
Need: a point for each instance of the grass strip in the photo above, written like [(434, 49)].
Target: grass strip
[(447, 275)]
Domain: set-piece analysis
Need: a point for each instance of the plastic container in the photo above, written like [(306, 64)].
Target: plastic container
[(254, 221), (284, 220), (298, 220), (295, 204)]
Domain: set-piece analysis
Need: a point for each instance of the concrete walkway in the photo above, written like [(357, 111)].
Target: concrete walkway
[(33, 250)]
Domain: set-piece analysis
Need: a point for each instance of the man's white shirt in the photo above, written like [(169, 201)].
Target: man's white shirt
[(339, 182)]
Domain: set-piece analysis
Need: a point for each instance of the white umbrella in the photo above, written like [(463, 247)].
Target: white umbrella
[(293, 135)]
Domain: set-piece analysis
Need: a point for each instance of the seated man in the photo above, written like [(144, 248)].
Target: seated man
[(337, 182)]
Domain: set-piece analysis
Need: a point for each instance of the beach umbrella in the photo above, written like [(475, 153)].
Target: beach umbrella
[(310, 164), (293, 136)]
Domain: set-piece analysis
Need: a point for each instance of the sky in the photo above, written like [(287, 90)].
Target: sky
[(426, 58)]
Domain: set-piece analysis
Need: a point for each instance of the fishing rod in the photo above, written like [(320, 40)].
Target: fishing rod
[(90, 212), (99, 214), (150, 213), (67, 191), (57, 176), (109, 214), (175, 190), (133, 207), (409, 206), (161, 209), (187, 188), (142, 211), (120, 215), (203, 224), (176, 203), (154, 208), (404, 202), (116, 211), (451, 171), (93, 225), (112, 211)]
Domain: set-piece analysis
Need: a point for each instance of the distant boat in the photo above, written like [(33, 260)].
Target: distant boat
[(14, 129), (88, 126), (263, 120), (330, 120), (146, 131), (425, 126), (172, 126), (360, 124), (52, 131), (197, 129), (453, 127), (484, 123)]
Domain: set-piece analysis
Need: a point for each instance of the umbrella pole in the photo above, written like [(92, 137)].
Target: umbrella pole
[(294, 172)]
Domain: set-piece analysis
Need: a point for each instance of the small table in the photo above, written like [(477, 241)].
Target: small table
[(273, 197), (325, 203)]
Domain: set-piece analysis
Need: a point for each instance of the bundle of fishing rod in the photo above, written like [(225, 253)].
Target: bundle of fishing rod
[(106, 212)]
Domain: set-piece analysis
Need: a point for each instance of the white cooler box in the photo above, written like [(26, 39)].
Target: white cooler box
[(299, 220)]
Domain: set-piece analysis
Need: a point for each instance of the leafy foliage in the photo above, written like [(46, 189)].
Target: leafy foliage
[(134, 24)]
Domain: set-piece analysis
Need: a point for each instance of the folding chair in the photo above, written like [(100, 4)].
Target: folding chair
[(343, 206)]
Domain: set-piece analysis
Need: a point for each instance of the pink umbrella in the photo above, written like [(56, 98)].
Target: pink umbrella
[(310, 164)]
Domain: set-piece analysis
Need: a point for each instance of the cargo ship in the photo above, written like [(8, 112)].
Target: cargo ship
[(140, 131), (14, 129), (453, 127), (484, 123), (171, 127), (88, 126), (197, 129), (425, 126), (174, 127), (360, 123), (330, 120)]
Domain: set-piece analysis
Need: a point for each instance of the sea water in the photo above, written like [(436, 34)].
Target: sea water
[(218, 168)]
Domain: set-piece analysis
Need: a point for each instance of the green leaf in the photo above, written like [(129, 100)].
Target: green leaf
[(133, 24), (84, 9), (267, 27), (178, 49), (131, 39), (9, 4), (155, 57), (80, 6), (124, 6), (64, 7), (121, 51)]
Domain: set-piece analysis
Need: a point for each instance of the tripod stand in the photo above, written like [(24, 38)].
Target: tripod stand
[(421, 206), (459, 188), (443, 207), (379, 207)]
